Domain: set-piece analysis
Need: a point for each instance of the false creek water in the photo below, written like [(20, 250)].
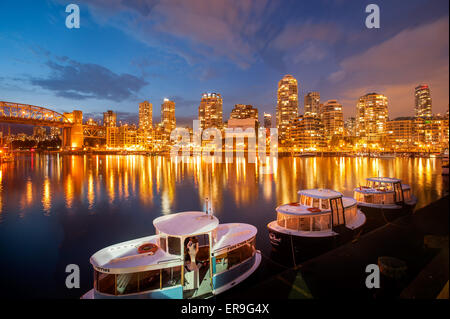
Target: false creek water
[(58, 210)]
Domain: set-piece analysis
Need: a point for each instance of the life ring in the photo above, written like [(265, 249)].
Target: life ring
[(147, 248)]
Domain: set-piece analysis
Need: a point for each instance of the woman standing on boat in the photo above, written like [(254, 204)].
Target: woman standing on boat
[(192, 248)]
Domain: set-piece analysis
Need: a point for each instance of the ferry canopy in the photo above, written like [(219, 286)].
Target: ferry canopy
[(186, 223), (233, 234), (320, 193), (383, 179)]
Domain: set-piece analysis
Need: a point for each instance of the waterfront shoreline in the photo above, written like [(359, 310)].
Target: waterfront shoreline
[(381, 155)]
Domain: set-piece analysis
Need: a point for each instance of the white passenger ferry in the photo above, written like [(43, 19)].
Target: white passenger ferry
[(383, 199), (321, 220), (163, 266)]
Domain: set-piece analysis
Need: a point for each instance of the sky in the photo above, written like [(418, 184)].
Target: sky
[(129, 51)]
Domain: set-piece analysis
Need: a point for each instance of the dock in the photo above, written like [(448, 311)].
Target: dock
[(419, 240)]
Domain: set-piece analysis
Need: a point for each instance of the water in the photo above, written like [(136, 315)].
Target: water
[(59, 210)]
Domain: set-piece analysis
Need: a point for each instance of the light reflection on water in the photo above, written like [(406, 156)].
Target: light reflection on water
[(67, 207)]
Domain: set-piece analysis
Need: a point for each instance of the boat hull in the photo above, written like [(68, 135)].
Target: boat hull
[(379, 215), (222, 282), (296, 248)]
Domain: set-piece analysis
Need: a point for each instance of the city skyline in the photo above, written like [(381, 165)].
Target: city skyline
[(312, 50)]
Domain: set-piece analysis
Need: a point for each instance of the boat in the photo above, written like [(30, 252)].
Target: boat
[(321, 220), (445, 166), (384, 199), (159, 267)]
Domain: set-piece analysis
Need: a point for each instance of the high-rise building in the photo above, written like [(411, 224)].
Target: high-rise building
[(39, 133), (145, 115), (287, 106), (312, 104), (307, 134), (332, 119), (168, 119), (210, 111), (242, 111), (350, 127), (400, 134), (91, 122), (109, 119), (55, 132), (422, 101), (371, 117), (267, 120)]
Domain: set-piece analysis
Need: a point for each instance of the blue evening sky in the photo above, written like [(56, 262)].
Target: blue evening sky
[(129, 51)]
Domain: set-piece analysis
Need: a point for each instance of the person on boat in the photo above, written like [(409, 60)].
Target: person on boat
[(192, 248)]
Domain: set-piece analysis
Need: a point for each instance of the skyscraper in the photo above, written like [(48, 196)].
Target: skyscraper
[(210, 111), (168, 119), (287, 105), (350, 127), (242, 111), (312, 103), (145, 115), (307, 134), (267, 120), (332, 119), (109, 119), (422, 101), (371, 116)]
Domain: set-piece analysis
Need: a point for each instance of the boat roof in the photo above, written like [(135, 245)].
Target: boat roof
[(297, 209), (384, 179), (233, 234), (186, 223), (320, 193), (124, 257)]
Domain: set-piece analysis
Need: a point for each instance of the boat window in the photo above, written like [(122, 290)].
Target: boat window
[(292, 222), (303, 200), (368, 198), (321, 222), (234, 257), (325, 204), (174, 245), (127, 283), (171, 276), (203, 240), (162, 243), (105, 283), (316, 202), (308, 201), (149, 280), (281, 221)]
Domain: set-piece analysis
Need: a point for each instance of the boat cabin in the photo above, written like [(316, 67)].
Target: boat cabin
[(383, 190), (318, 210), (159, 266)]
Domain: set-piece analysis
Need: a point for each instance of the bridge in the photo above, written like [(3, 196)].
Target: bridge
[(74, 132)]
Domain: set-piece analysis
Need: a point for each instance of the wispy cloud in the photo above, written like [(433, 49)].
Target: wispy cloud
[(396, 66)]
